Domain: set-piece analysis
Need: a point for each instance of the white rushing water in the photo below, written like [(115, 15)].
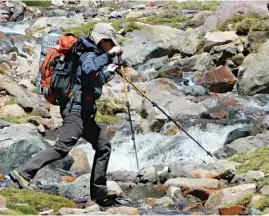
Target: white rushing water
[(18, 28), (154, 148)]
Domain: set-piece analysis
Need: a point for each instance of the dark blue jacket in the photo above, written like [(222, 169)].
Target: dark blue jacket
[(89, 75)]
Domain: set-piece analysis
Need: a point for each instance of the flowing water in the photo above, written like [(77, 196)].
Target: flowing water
[(156, 148)]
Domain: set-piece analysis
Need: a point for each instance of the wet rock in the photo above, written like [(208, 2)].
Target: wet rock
[(12, 110), (254, 79), (18, 13), (218, 38), (199, 173), (81, 163), (235, 210), (144, 191), (252, 175), (216, 109), (122, 176), (150, 66), (201, 62), (264, 190), (170, 72), (156, 119), (195, 90), (171, 130), (149, 174), (124, 210), (80, 188), (186, 183), (219, 80), (243, 145), (228, 195), (163, 41), (181, 169), (237, 133), (18, 144), (5, 45)]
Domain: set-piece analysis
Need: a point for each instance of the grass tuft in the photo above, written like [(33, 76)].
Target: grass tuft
[(193, 5), (15, 119), (242, 201), (36, 201), (167, 18), (243, 24), (257, 160), (2, 71), (37, 3)]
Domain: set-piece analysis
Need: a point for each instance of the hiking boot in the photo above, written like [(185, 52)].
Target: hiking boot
[(21, 181), (103, 195)]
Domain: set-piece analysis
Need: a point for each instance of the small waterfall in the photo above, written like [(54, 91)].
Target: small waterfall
[(155, 148)]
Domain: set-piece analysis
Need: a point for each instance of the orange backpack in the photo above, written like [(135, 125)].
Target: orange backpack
[(57, 70)]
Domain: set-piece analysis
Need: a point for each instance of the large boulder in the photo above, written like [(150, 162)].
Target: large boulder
[(18, 144), (255, 78), (190, 184), (12, 110), (243, 145), (80, 188), (166, 94), (81, 163), (153, 42), (218, 38), (218, 80), (229, 195), (227, 9), (12, 88), (47, 23)]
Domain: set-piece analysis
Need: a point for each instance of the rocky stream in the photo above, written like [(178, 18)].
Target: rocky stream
[(204, 62)]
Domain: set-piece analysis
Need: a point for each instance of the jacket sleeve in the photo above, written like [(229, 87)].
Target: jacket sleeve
[(90, 62)]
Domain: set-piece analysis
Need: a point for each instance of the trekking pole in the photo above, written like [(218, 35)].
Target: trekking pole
[(127, 104), (169, 117)]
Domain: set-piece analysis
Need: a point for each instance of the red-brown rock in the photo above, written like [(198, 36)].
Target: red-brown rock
[(2, 176), (195, 206), (123, 210), (219, 80), (68, 178), (200, 173), (235, 210)]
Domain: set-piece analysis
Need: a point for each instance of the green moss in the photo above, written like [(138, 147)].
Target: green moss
[(238, 59), (38, 3), (101, 104), (214, 30), (243, 24), (15, 119), (255, 47), (201, 44), (100, 118), (242, 201), (2, 71), (24, 209), (167, 18), (81, 30), (36, 200), (257, 160)]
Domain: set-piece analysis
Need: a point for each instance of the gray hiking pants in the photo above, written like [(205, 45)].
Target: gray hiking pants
[(76, 124)]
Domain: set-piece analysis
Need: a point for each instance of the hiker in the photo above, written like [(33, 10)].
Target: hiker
[(79, 120)]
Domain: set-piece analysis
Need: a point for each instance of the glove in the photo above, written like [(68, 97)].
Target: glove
[(116, 50), (110, 72)]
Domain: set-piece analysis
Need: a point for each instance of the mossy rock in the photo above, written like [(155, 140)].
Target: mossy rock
[(257, 160), (31, 202)]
